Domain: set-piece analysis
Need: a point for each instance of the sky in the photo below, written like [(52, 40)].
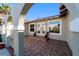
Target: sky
[(42, 10)]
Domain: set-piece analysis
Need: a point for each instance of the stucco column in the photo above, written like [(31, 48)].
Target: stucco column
[(19, 37), (18, 26), (18, 40), (4, 29), (18, 29)]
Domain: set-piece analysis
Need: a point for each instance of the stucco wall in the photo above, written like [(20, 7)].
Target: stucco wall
[(72, 37), (10, 39), (26, 29), (61, 36)]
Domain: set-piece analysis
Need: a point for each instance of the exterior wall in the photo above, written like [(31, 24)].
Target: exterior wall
[(72, 37), (61, 36), (26, 29)]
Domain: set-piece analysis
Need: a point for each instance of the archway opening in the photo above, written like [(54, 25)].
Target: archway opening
[(10, 21), (9, 32)]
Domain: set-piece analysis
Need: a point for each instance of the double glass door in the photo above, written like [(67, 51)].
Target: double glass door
[(41, 28)]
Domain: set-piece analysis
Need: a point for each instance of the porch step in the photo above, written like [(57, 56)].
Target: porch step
[(2, 45)]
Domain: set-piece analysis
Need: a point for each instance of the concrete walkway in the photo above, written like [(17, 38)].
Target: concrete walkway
[(4, 52)]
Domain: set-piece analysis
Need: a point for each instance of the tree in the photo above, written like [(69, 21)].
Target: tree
[(5, 9)]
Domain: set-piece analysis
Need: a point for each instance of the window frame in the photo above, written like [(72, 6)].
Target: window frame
[(60, 26), (30, 27)]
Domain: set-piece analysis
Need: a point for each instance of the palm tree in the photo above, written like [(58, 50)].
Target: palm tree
[(5, 9)]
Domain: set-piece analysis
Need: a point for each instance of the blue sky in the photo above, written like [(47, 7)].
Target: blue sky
[(42, 10)]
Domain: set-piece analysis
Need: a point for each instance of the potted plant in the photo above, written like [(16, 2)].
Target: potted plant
[(46, 36), (34, 33)]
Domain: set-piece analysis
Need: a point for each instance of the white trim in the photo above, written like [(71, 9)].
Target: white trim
[(20, 27), (9, 27)]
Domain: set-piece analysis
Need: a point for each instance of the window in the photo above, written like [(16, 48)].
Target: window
[(54, 26), (32, 27)]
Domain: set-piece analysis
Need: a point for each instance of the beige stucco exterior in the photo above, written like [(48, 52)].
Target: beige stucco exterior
[(26, 29), (72, 37)]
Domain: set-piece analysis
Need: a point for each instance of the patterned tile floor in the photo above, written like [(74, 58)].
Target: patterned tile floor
[(37, 46)]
